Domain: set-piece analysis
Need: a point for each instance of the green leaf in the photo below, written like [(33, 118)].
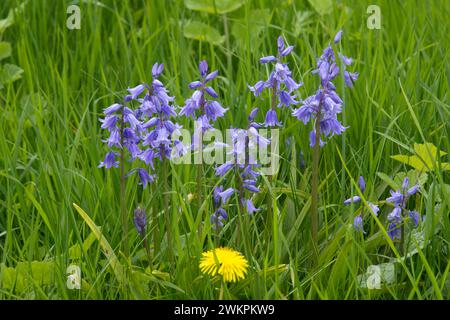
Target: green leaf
[(25, 275), (377, 276), (10, 73), (117, 268), (214, 6), (425, 159), (302, 20), (75, 251), (200, 31), (5, 50), (415, 177), (323, 7), (251, 28)]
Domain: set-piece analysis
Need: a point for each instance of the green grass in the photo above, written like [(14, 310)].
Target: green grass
[(51, 146)]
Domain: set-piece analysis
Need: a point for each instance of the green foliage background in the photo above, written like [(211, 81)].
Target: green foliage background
[(50, 147)]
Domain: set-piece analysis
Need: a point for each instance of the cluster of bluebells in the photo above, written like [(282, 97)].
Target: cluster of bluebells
[(220, 197), (400, 213), (358, 222), (325, 104), (199, 106), (280, 82), (241, 157), (145, 132)]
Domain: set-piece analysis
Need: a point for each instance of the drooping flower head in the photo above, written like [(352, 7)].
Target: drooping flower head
[(201, 104), (220, 198), (241, 155), (325, 104), (226, 262), (155, 127), (358, 221), (280, 82), (399, 214)]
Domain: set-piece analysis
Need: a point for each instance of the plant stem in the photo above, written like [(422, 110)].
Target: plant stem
[(123, 212), (222, 288), (155, 228), (166, 212), (315, 188)]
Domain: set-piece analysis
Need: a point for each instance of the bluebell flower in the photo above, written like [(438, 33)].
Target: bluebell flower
[(110, 161), (394, 231), (357, 222), (415, 217), (140, 221), (280, 81), (211, 109), (399, 199), (325, 104), (220, 198)]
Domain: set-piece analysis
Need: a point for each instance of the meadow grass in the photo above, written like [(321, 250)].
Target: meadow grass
[(51, 147)]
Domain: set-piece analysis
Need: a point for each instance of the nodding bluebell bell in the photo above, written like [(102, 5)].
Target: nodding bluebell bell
[(280, 82), (220, 197), (399, 214), (146, 132), (358, 221), (209, 110), (241, 157), (325, 104)]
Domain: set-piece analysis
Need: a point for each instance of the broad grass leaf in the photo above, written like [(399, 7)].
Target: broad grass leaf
[(425, 159), (10, 73), (25, 275), (117, 268), (75, 251), (250, 29), (302, 20), (323, 7), (202, 32), (5, 50), (214, 6)]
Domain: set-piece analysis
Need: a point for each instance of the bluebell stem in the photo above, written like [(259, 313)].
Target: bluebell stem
[(280, 82), (155, 129), (122, 126), (400, 213), (201, 107), (358, 221), (244, 162), (322, 109)]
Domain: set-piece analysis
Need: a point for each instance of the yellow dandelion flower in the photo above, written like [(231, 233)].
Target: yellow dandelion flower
[(230, 264)]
